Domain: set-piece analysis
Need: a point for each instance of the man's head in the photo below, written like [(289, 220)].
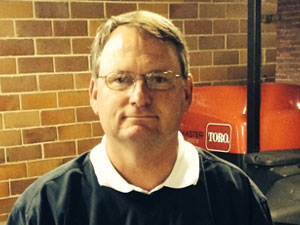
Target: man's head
[(138, 89), (152, 23)]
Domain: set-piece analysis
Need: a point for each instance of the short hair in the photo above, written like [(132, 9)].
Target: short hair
[(157, 25)]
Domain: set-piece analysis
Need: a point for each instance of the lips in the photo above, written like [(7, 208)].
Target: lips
[(140, 116)]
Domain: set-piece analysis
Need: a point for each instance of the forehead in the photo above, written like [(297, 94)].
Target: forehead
[(129, 46)]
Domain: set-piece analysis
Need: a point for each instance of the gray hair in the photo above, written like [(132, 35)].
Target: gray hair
[(156, 25)]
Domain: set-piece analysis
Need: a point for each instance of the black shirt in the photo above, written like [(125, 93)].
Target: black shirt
[(71, 195)]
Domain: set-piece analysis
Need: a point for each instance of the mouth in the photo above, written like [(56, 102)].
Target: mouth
[(141, 117)]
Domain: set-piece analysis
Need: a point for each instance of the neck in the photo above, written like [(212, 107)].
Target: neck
[(145, 165)]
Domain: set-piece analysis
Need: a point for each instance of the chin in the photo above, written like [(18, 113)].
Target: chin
[(139, 133)]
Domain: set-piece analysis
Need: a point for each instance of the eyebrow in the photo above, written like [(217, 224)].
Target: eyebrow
[(150, 71)]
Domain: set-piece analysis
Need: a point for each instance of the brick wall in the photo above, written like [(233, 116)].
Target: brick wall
[(45, 118), (288, 50)]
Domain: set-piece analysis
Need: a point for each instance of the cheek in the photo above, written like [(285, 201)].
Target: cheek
[(172, 105), (110, 106)]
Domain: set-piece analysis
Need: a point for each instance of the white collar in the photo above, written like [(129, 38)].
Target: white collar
[(184, 173)]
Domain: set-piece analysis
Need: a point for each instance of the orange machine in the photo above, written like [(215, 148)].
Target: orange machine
[(217, 119), (217, 122)]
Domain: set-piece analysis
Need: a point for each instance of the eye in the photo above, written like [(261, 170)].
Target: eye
[(159, 79), (120, 78)]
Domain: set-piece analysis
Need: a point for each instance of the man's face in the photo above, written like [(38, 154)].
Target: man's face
[(138, 113)]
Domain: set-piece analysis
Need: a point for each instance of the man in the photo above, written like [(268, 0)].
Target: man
[(143, 172)]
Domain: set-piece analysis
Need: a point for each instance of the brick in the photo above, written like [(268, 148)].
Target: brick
[(268, 70), (198, 27), (236, 41), (226, 26), (270, 8), (21, 119), (211, 42), (10, 137), (58, 116), (271, 55), (212, 10), (75, 63), (269, 41), (39, 168), (53, 46), (32, 65), (97, 129), (7, 204), (39, 101), (4, 189), (2, 155), (51, 9), (33, 28), (16, 9), (16, 47), (237, 72), (74, 131), (243, 56), (159, 8), (192, 42), (56, 82), (9, 102), (223, 1), (18, 84), (87, 145), (37, 135), (82, 80), (93, 26), (226, 57), (82, 45), (237, 11), (78, 98), (212, 73), (7, 66), (195, 73), (243, 26), (269, 28), (178, 24), (12, 171), (19, 186), (200, 58), (70, 28), (6, 29), (113, 9), (59, 149), (65, 160), (4, 218), (87, 10), (86, 114), (24, 153), (184, 11)]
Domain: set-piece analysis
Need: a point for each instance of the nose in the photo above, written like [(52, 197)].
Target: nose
[(140, 95)]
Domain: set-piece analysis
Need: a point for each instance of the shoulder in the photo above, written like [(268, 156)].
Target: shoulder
[(73, 168), (51, 187), (212, 163), (223, 176), (232, 192), (222, 172)]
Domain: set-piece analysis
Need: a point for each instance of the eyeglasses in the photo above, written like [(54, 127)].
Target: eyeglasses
[(158, 80)]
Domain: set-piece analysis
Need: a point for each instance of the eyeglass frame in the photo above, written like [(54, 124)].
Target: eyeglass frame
[(142, 76)]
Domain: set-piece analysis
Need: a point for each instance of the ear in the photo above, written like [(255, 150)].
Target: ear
[(93, 95), (188, 90)]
